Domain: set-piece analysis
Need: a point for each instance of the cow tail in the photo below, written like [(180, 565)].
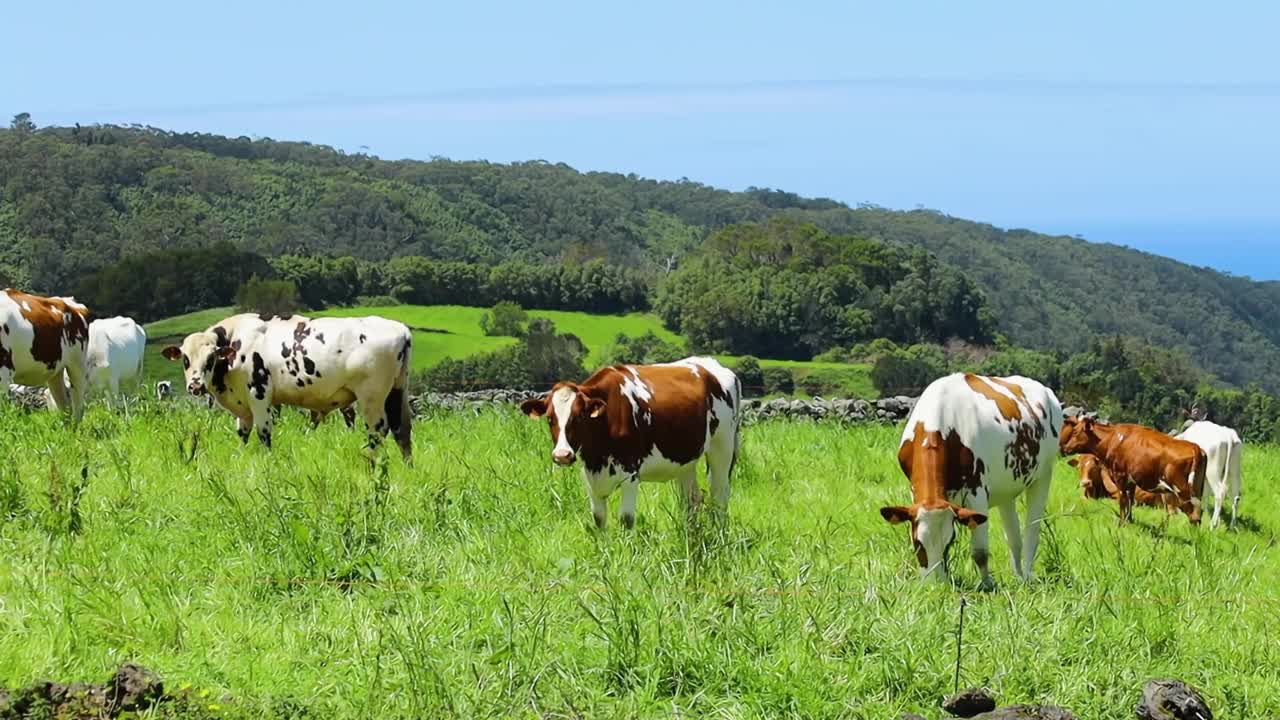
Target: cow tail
[(737, 421), (399, 413), (1199, 473)]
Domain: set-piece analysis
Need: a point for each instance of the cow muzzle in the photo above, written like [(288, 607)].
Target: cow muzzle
[(563, 457), (196, 388)]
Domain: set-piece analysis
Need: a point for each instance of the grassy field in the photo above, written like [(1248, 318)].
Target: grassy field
[(443, 331), (300, 581)]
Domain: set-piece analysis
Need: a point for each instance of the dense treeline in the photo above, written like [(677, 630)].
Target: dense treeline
[(782, 289), (76, 200)]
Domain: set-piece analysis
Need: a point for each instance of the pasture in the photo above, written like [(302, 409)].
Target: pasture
[(453, 331), (302, 580)]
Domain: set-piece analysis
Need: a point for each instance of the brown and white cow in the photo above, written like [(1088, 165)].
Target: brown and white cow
[(973, 443), (1141, 457), (634, 423), (43, 340), (1096, 483)]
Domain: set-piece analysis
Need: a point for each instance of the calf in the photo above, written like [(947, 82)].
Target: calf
[(1096, 483), (1140, 457), (973, 443), (1224, 452), (634, 423), (250, 365), (43, 340)]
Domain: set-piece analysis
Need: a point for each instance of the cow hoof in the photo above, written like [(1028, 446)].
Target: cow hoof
[(986, 584), (628, 521), (600, 521)]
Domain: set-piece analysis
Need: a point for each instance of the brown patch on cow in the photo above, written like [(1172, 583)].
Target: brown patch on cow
[(1022, 455), (54, 322), (1007, 406), (6, 357), (938, 466)]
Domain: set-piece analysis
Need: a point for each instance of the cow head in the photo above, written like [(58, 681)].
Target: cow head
[(1079, 435), (200, 353), (933, 529), (571, 414), (1092, 483)]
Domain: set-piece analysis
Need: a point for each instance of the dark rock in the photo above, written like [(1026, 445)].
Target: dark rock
[(969, 702), (1028, 712), (1172, 700), (133, 688)]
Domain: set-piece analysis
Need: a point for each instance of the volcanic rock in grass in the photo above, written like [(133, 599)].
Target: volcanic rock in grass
[(133, 688), (969, 702), (1028, 712), (1172, 700), (909, 716)]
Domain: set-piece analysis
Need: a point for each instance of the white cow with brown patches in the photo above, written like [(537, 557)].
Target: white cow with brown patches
[(42, 341), (635, 423), (973, 443), (251, 365)]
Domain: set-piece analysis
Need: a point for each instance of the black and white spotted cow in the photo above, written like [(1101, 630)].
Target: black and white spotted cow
[(251, 365)]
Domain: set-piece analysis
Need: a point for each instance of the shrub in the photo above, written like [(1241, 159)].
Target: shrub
[(908, 371), (505, 318), (750, 375), (641, 350), (778, 380), (267, 297)]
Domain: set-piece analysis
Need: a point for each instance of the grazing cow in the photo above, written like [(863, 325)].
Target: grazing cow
[(43, 340), (164, 390), (1096, 483), (250, 365), (1224, 451), (116, 348), (1140, 457), (634, 423), (973, 443)]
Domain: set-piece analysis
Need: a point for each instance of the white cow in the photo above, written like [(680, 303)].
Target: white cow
[(116, 348), (1225, 452), (973, 443), (251, 365)]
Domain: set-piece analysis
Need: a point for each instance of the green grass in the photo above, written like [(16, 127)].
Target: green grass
[(474, 586), (457, 335)]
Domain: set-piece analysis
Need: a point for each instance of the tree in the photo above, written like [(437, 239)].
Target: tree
[(750, 375), (267, 297), (505, 318), (641, 350), (908, 371), (22, 124)]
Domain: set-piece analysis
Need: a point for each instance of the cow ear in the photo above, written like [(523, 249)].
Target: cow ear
[(173, 352), (1074, 462), (596, 407), (227, 353), (534, 407), (970, 518), (897, 514)]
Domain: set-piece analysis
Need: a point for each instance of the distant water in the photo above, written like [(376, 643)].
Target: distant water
[(1252, 252)]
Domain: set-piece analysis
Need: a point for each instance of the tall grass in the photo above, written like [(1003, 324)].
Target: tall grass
[(474, 585)]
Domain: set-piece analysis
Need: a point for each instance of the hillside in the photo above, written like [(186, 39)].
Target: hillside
[(73, 200)]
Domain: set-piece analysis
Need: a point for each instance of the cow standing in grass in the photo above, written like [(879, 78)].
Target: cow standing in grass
[(1141, 457), (42, 341), (635, 423), (973, 443), (1224, 453), (250, 365), (1096, 483)]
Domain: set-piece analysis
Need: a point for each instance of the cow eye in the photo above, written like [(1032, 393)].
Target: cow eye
[(185, 362)]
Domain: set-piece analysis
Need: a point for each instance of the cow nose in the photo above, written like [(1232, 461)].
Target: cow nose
[(195, 388), (562, 457)]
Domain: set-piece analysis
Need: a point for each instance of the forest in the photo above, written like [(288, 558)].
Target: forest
[(152, 223)]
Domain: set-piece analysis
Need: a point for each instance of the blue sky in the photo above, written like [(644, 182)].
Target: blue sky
[(1148, 124)]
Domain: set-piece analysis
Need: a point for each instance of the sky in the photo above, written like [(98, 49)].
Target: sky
[(1149, 124)]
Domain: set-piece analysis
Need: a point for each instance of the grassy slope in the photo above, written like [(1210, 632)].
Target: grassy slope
[(493, 597), (462, 337)]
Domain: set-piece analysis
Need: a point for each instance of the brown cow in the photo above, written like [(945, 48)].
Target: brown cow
[(1096, 483), (633, 423), (1140, 457), (41, 338)]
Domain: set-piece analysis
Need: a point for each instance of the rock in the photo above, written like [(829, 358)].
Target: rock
[(1028, 712), (910, 716), (134, 688), (969, 702), (1172, 700)]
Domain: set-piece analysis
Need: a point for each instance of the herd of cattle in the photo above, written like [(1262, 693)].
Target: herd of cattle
[(971, 443)]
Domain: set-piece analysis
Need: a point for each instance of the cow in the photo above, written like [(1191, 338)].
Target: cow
[(1096, 483), (114, 355), (973, 443), (1141, 457), (250, 364), (164, 390), (638, 423), (42, 341), (1224, 451)]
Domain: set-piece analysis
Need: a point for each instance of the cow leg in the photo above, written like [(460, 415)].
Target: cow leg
[(980, 545), (1037, 498), (1126, 498), (627, 508), (244, 428), (1219, 498), (719, 466), (1235, 510), (598, 494), (349, 416), (690, 494), (57, 393), (1012, 535), (78, 380)]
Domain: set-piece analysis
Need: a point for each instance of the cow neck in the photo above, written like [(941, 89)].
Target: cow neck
[(928, 467), (596, 446)]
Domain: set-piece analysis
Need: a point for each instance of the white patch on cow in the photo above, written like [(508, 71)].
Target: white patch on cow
[(26, 306), (935, 529), (56, 312), (634, 390), (562, 403)]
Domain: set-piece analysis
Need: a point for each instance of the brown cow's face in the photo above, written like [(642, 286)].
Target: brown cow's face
[(1092, 484), (570, 414), (933, 530), (1077, 436), (199, 355)]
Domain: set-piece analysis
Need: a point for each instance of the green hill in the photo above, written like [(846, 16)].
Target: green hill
[(75, 200), (453, 331)]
